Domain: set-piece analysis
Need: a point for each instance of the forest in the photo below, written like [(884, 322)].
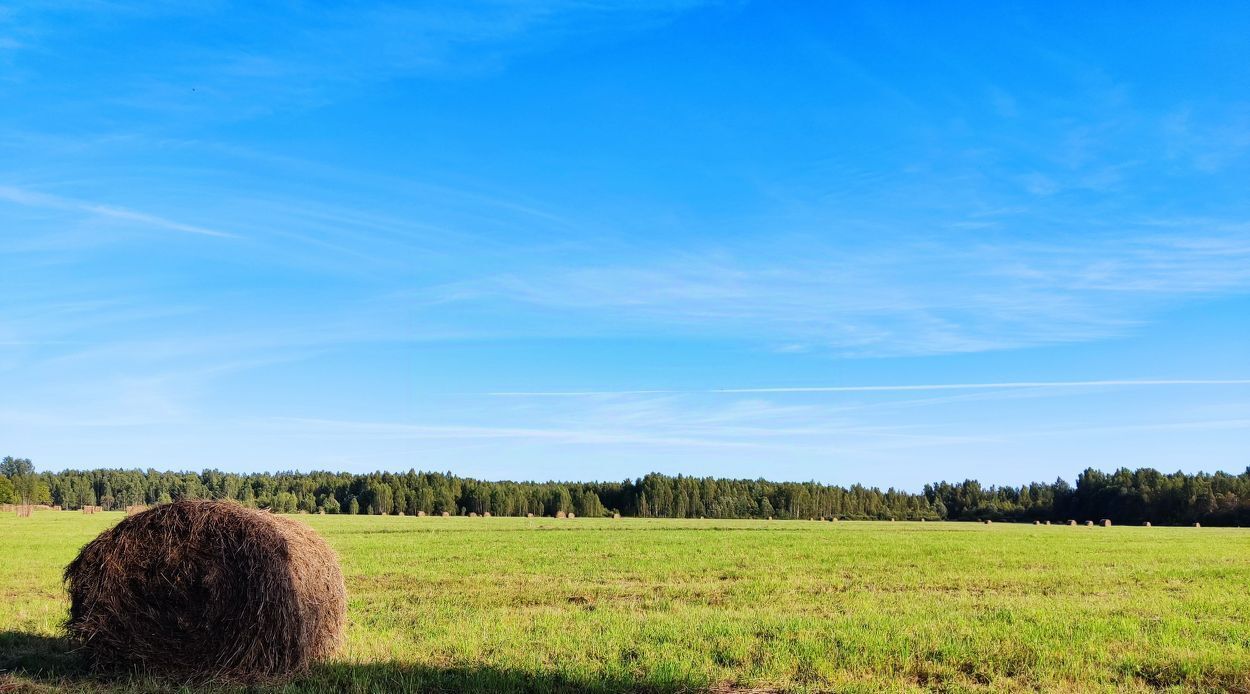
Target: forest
[(1124, 496)]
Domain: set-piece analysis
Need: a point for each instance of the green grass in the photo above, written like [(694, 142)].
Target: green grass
[(502, 604)]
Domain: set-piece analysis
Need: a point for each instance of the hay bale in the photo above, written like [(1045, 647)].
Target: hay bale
[(420, 514), (616, 516), (1047, 522), (1089, 524), (25, 511), (446, 514), (561, 514), (56, 507), (1106, 522), (486, 514), (1072, 522), (989, 522), (1197, 525), (529, 515), (135, 509), (195, 590), (472, 514), (572, 515), (1037, 522), (1147, 524)]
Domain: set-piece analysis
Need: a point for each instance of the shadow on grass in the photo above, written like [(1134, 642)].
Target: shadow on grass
[(30, 663)]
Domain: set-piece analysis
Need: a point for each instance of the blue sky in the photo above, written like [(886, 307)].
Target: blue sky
[(588, 240)]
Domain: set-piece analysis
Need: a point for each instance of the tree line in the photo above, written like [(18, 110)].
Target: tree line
[(1123, 496)]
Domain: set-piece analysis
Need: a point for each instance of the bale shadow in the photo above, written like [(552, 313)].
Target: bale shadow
[(37, 658), (32, 663)]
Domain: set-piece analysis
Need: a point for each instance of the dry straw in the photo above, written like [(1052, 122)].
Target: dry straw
[(199, 590)]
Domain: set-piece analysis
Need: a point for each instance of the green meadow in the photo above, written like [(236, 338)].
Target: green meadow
[(514, 604)]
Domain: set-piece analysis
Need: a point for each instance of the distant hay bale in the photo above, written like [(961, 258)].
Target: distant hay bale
[(446, 514), (1147, 524), (1037, 522), (1197, 525), (989, 522), (91, 509), (1106, 522), (135, 509), (1089, 524), (56, 507), (420, 514), (486, 514), (529, 515), (198, 590), (561, 514), (922, 520), (616, 516), (572, 515), (472, 514), (1047, 522), (25, 511)]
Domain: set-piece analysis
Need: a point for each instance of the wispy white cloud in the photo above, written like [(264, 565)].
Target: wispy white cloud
[(897, 297), (1116, 383), (30, 198)]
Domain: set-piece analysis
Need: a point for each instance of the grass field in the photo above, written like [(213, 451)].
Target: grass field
[(504, 604)]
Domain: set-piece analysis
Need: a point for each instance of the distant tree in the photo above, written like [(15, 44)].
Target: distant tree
[(8, 494), (16, 467), (353, 506)]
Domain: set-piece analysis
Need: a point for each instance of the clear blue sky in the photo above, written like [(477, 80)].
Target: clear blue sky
[(542, 240)]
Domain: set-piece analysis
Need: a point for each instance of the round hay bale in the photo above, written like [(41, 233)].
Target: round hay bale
[(561, 514), (1047, 522), (486, 514), (1197, 525), (1147, 524), (198, 590), (989, 522), (1072, 522), (572, 515), (1106, 522), (1037, 522), (616, 516), (446, 514), (529, 515), (420, 514), (472, 514), (1089, 524)]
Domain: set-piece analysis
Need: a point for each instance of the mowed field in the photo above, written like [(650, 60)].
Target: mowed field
[(508, 604)]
